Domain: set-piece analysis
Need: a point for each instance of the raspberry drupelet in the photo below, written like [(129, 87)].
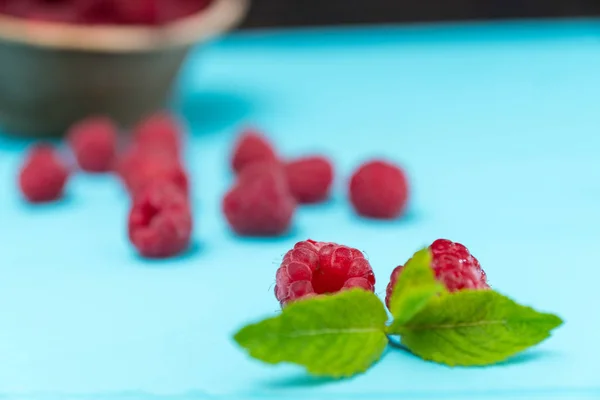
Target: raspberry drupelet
[(453, 266), (313, 268)]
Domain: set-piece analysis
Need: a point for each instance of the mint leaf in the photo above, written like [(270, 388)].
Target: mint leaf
[(416, 284), (474, 328), (336, 335)]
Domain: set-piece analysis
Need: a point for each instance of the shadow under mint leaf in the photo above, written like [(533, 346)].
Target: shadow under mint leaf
[(526, 357), (299, 380)]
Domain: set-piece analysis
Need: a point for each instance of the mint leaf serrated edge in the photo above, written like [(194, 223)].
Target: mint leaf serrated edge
[(415, 285), (336, 335), (474, 328)]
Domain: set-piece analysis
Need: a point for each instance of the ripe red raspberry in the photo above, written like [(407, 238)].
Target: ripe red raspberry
[(313, 268), (98, 11), (251, 147), (160, 221), (310, 178), (52, 12), (379, 189), (43, 175), (94, 143), (139, 168), (453, 266), (143, 12), (161, 132), (260, 203), (174, 10)]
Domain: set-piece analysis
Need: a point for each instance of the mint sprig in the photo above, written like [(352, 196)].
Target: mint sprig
[(470, 328), (336, 336), (343, 334), (415, 286)]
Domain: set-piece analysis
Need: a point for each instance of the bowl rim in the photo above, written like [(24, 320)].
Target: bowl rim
[(218, 17)]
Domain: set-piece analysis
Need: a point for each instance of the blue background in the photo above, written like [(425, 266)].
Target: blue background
[(497, 126)]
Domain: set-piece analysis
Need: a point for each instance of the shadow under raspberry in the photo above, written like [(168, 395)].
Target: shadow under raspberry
[(410, 217), (292, 233), (182, 259)]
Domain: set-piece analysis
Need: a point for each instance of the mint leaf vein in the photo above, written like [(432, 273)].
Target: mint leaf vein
[(336, 335)]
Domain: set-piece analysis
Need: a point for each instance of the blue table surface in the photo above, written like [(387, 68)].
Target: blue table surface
[(497, 126)]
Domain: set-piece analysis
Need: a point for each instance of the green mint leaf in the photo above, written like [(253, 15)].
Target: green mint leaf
[(336, 335), (470, 328), (416, 284)]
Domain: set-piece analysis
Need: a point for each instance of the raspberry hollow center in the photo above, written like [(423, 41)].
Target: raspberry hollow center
[(148, 212), (315, 268)]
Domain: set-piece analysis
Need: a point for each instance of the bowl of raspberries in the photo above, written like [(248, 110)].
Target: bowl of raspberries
[(63, 60)]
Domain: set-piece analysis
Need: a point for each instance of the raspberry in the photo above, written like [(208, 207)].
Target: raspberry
[(313, 268), (379, 189), (453, 266), (139, 168), (310, 179), (174, 10), (160, 132), (160, 221), (94, 143), (43, 175), (59, 12), (260, 204), (251, 147), (138, 11), (98, 11)]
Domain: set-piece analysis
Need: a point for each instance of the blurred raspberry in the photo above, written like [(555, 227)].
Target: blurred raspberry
[(139, 168), (251, 147), (160, 221), (310, 178), (161, 132), (144, 12), (173, 10), (94, 143), (43, 175), (260, 203), (379, 189)]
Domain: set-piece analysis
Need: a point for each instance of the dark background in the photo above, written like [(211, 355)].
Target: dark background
[(268, 13)]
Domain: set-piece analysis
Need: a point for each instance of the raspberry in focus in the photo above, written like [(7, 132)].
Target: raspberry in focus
[(160, 221), (260, 203), (43, 175), (251, 147), (313, 268), (94, 144), (379, 189), (310, 179), (453, 266)]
